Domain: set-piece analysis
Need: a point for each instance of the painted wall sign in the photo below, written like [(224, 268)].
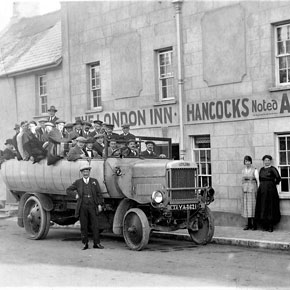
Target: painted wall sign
[(213, 111), (148, 117), (232, 109)]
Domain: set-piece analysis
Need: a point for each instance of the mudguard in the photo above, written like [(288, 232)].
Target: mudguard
[(122, 208)]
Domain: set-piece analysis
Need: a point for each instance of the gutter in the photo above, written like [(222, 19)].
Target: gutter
[(33, 69)]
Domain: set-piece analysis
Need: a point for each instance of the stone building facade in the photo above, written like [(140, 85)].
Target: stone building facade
[(212, 75)]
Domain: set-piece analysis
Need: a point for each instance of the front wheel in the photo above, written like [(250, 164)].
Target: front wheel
[(136, 229), (205, 230), (36, 219)]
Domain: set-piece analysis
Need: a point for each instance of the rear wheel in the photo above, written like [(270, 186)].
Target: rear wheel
[(36, 219), (205, 228), (136, 229)]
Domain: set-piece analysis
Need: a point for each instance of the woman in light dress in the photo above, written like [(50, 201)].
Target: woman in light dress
[(250, 184)]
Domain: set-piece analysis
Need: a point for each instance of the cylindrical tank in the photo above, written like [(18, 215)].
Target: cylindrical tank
[(24, 176)]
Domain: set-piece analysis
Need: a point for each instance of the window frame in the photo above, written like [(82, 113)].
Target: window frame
[(42, 86), (166, 77), (282, 194), (278, 56), (96, 88), (195, 149)]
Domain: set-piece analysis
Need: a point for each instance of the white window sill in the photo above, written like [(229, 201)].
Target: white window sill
[(279, 88), (95, 110), (165, 102), (284, 195)]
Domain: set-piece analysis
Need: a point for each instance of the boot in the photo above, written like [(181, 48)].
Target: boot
[(254, 227), (270, 227), (248, 226)]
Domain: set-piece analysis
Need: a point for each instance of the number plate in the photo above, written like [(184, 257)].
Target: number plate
[(182, 206)]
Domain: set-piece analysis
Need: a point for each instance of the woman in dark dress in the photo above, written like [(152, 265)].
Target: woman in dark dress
[(267, 206)]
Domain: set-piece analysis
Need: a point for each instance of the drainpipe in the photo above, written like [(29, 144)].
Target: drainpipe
[(178, 5)]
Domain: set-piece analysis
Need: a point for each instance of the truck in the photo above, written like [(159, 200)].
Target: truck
[(141, 195)]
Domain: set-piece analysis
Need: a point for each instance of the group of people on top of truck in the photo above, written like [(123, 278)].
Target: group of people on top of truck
[(53, 138)]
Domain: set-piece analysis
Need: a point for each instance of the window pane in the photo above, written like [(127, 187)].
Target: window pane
[(283, 158), (196, 156), (288, 46), (283, 78), (202, 156), (279, 34), (281, 49), (209, 168), (284, 172), (284, 185), (282, 62), (282, 143)]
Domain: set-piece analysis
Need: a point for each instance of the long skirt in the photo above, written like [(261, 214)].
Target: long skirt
[(268, 203)]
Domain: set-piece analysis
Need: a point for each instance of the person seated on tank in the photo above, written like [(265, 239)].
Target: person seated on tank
[(126, 132), (112, 146), (99, 144), (133, 151), (97, 128), (149, 152), (19, 139), (109, 134), (69, 132), (55, 138), (32, 145), (89, 151), (40, 130), (14, 140), (86, 129), (78, 151), (78, 127), (9, 152)]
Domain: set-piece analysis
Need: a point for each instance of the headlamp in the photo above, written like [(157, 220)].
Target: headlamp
[(157, 196)]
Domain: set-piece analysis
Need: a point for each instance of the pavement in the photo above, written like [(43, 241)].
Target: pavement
[(223, 235)]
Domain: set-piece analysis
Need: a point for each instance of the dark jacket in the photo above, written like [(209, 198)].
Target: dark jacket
[(78, 185), (146, 154), (129, 136), (75, 153)]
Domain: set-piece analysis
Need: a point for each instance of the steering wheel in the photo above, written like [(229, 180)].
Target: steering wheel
[(123, 151)]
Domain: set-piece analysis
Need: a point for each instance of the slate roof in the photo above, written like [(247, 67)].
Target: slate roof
[(30, 43)]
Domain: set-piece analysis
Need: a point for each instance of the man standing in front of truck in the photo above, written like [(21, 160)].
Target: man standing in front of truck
[(89, 205)]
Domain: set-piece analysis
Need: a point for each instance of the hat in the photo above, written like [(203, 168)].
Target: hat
[(60, 121), (131, 140), (49, 124), (68, 125), (83, 167), (9, 141), (86, 123), (99, 136), (52, 108), (78, 121), (16, 127), (32, 122), (126, 125), (98, 122), (109, 125), (149, 142), (23, 122), (81, 139), (121, 141), (91, 140), (42, 121)]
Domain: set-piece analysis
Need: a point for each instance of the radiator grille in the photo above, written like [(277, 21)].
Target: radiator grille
[(182, 178)]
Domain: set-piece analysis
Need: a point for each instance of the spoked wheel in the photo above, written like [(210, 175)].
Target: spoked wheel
[(205, 228), (36, 219), (136, 230)]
